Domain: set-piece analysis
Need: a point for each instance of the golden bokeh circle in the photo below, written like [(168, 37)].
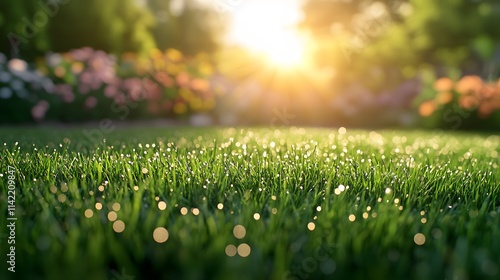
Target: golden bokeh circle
[(118, 226), (244, 250), (239, 231), (160, 234)]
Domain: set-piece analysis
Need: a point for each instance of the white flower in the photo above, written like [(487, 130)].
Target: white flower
[(17, 65), (5, 77), (53, 59), (17, 84), (5, 93)]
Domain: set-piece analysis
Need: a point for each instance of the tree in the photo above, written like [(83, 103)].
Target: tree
[(189, 26), (114, 26), (23, 27), (458, 33)]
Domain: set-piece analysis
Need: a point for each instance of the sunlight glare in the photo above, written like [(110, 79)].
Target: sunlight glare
[(267, 27)]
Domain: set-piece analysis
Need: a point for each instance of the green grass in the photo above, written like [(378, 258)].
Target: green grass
[(399, 186)]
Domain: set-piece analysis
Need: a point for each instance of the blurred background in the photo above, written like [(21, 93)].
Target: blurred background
[(365, 63)]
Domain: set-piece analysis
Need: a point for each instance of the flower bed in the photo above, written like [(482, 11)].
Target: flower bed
[(469, 103), (86, 84)]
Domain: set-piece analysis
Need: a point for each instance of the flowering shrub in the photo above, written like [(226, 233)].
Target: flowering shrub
[(361, 106), (85, 84), (24, 91), (469, 102)]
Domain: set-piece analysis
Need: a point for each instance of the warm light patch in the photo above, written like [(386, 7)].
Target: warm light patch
[(269, 28)]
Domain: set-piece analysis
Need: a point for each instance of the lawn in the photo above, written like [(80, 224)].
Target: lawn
[(250, 203)]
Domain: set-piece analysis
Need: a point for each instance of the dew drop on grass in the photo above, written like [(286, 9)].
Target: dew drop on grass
[(61, 198), (195, 211), (98, 205), (352, 218), (118, 226), (419, 239), (256, 216), (244, 250), (112, 216), (220, 206), (160, 235), (162, 205), (239, 231), (116, 206), (89, 213), (231, 250), (78, 205), (436, 233), (184, 211), (311, 226)]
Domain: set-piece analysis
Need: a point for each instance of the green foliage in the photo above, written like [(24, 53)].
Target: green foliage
[(114, 26), (31, 28), (191, 27), (23, 28), (451, 33)]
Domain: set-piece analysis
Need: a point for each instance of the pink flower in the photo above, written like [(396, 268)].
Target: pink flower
[(183, 79), (86, 77), (83, 88), (90, 102), (82, 54), (39, 110), (63, 89), (68, 97), (110, 91)]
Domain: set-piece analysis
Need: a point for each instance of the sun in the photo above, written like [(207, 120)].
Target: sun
[(286, 49), (268, 27)]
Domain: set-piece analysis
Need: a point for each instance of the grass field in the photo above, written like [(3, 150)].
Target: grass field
[(253, 203)]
